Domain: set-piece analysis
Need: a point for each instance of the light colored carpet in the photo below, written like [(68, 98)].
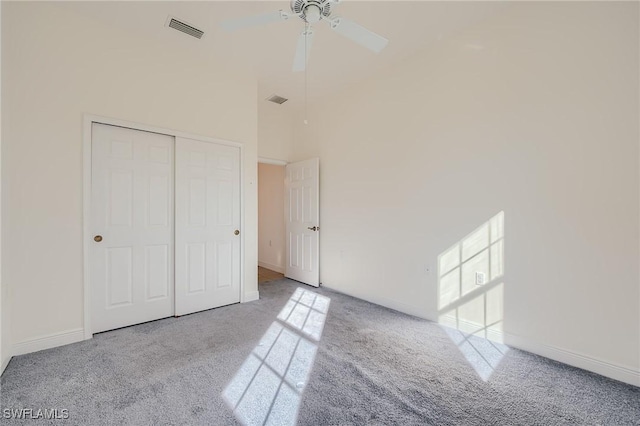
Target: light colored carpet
[(262, 363)]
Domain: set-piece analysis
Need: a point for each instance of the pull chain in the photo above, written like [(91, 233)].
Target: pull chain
[(306, 71)]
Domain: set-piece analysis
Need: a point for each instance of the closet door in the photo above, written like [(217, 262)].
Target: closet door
[(207, 225), (131, 252)]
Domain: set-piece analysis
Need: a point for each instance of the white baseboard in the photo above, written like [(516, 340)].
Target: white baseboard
[(49, 341), (250, 296), (468, 327), (271, 266), (4, 363), (604, 368), (607, 369), (387, 303)]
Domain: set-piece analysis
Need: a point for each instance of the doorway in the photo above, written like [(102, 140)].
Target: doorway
[(289, 221), (271, 222)]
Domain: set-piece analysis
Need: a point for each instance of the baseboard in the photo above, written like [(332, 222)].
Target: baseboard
[(250, 296), (607, 369), (3, 364), (48, 342), (585, 362), (387, 303), (604, 368), (468, 327), (271, 266)]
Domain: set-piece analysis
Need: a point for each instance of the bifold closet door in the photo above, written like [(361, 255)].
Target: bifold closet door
[(131, 252), (207, 224)]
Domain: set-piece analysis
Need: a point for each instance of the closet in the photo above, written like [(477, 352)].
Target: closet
[(165, 226)]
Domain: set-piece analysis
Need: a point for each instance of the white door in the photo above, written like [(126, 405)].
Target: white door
[(207, 225), (302, 211), (131, 255)]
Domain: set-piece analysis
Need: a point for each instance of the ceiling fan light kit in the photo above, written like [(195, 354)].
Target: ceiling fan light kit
[(312, 12), (309, 10)]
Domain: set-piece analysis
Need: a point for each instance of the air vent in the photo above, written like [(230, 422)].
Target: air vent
[(277, 99), (184, 28)]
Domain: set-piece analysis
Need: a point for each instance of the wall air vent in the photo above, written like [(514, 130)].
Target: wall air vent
[(184, 28), (277, 99)]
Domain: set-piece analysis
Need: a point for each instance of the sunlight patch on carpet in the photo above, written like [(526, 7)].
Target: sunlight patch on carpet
[(268, 387)]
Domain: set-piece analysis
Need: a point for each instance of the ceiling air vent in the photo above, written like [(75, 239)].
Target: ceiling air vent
[(184, 28), (277, 99)]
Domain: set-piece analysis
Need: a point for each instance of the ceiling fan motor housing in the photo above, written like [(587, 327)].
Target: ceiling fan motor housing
[(299, 7)]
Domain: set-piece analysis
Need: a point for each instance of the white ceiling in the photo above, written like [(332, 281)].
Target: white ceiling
[(335, 62)]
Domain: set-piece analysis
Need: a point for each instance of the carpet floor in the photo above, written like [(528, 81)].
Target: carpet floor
[(310, 356)]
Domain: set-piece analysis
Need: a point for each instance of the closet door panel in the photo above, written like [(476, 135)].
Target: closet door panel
[(131, 252), (207, 225)]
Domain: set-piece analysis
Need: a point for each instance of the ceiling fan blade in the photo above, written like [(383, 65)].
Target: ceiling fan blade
[(254, 21), (302, 52), (359, 34)]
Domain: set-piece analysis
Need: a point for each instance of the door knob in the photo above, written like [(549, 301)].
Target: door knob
[(314, 228), (97, 238), (236, 232)]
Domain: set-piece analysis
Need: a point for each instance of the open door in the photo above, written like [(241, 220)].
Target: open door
[(302, 212)]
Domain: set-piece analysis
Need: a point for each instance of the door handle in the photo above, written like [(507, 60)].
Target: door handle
[(314, 228), (236, 232), (97, 238)]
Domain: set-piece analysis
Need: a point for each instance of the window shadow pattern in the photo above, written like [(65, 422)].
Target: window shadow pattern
[(471, 295), (268, 387)]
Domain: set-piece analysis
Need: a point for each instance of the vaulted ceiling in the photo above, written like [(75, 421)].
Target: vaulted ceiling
[(334, 62)]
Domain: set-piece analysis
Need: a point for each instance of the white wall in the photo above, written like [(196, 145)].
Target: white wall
[(5, 343), (51, 75), (271, 232), (533, 113), (307, 137), (275, 131)]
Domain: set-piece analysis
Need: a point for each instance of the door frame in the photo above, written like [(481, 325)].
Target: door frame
[(87, 122)]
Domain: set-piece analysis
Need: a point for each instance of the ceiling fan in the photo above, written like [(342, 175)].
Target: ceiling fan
[(312, 12)]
